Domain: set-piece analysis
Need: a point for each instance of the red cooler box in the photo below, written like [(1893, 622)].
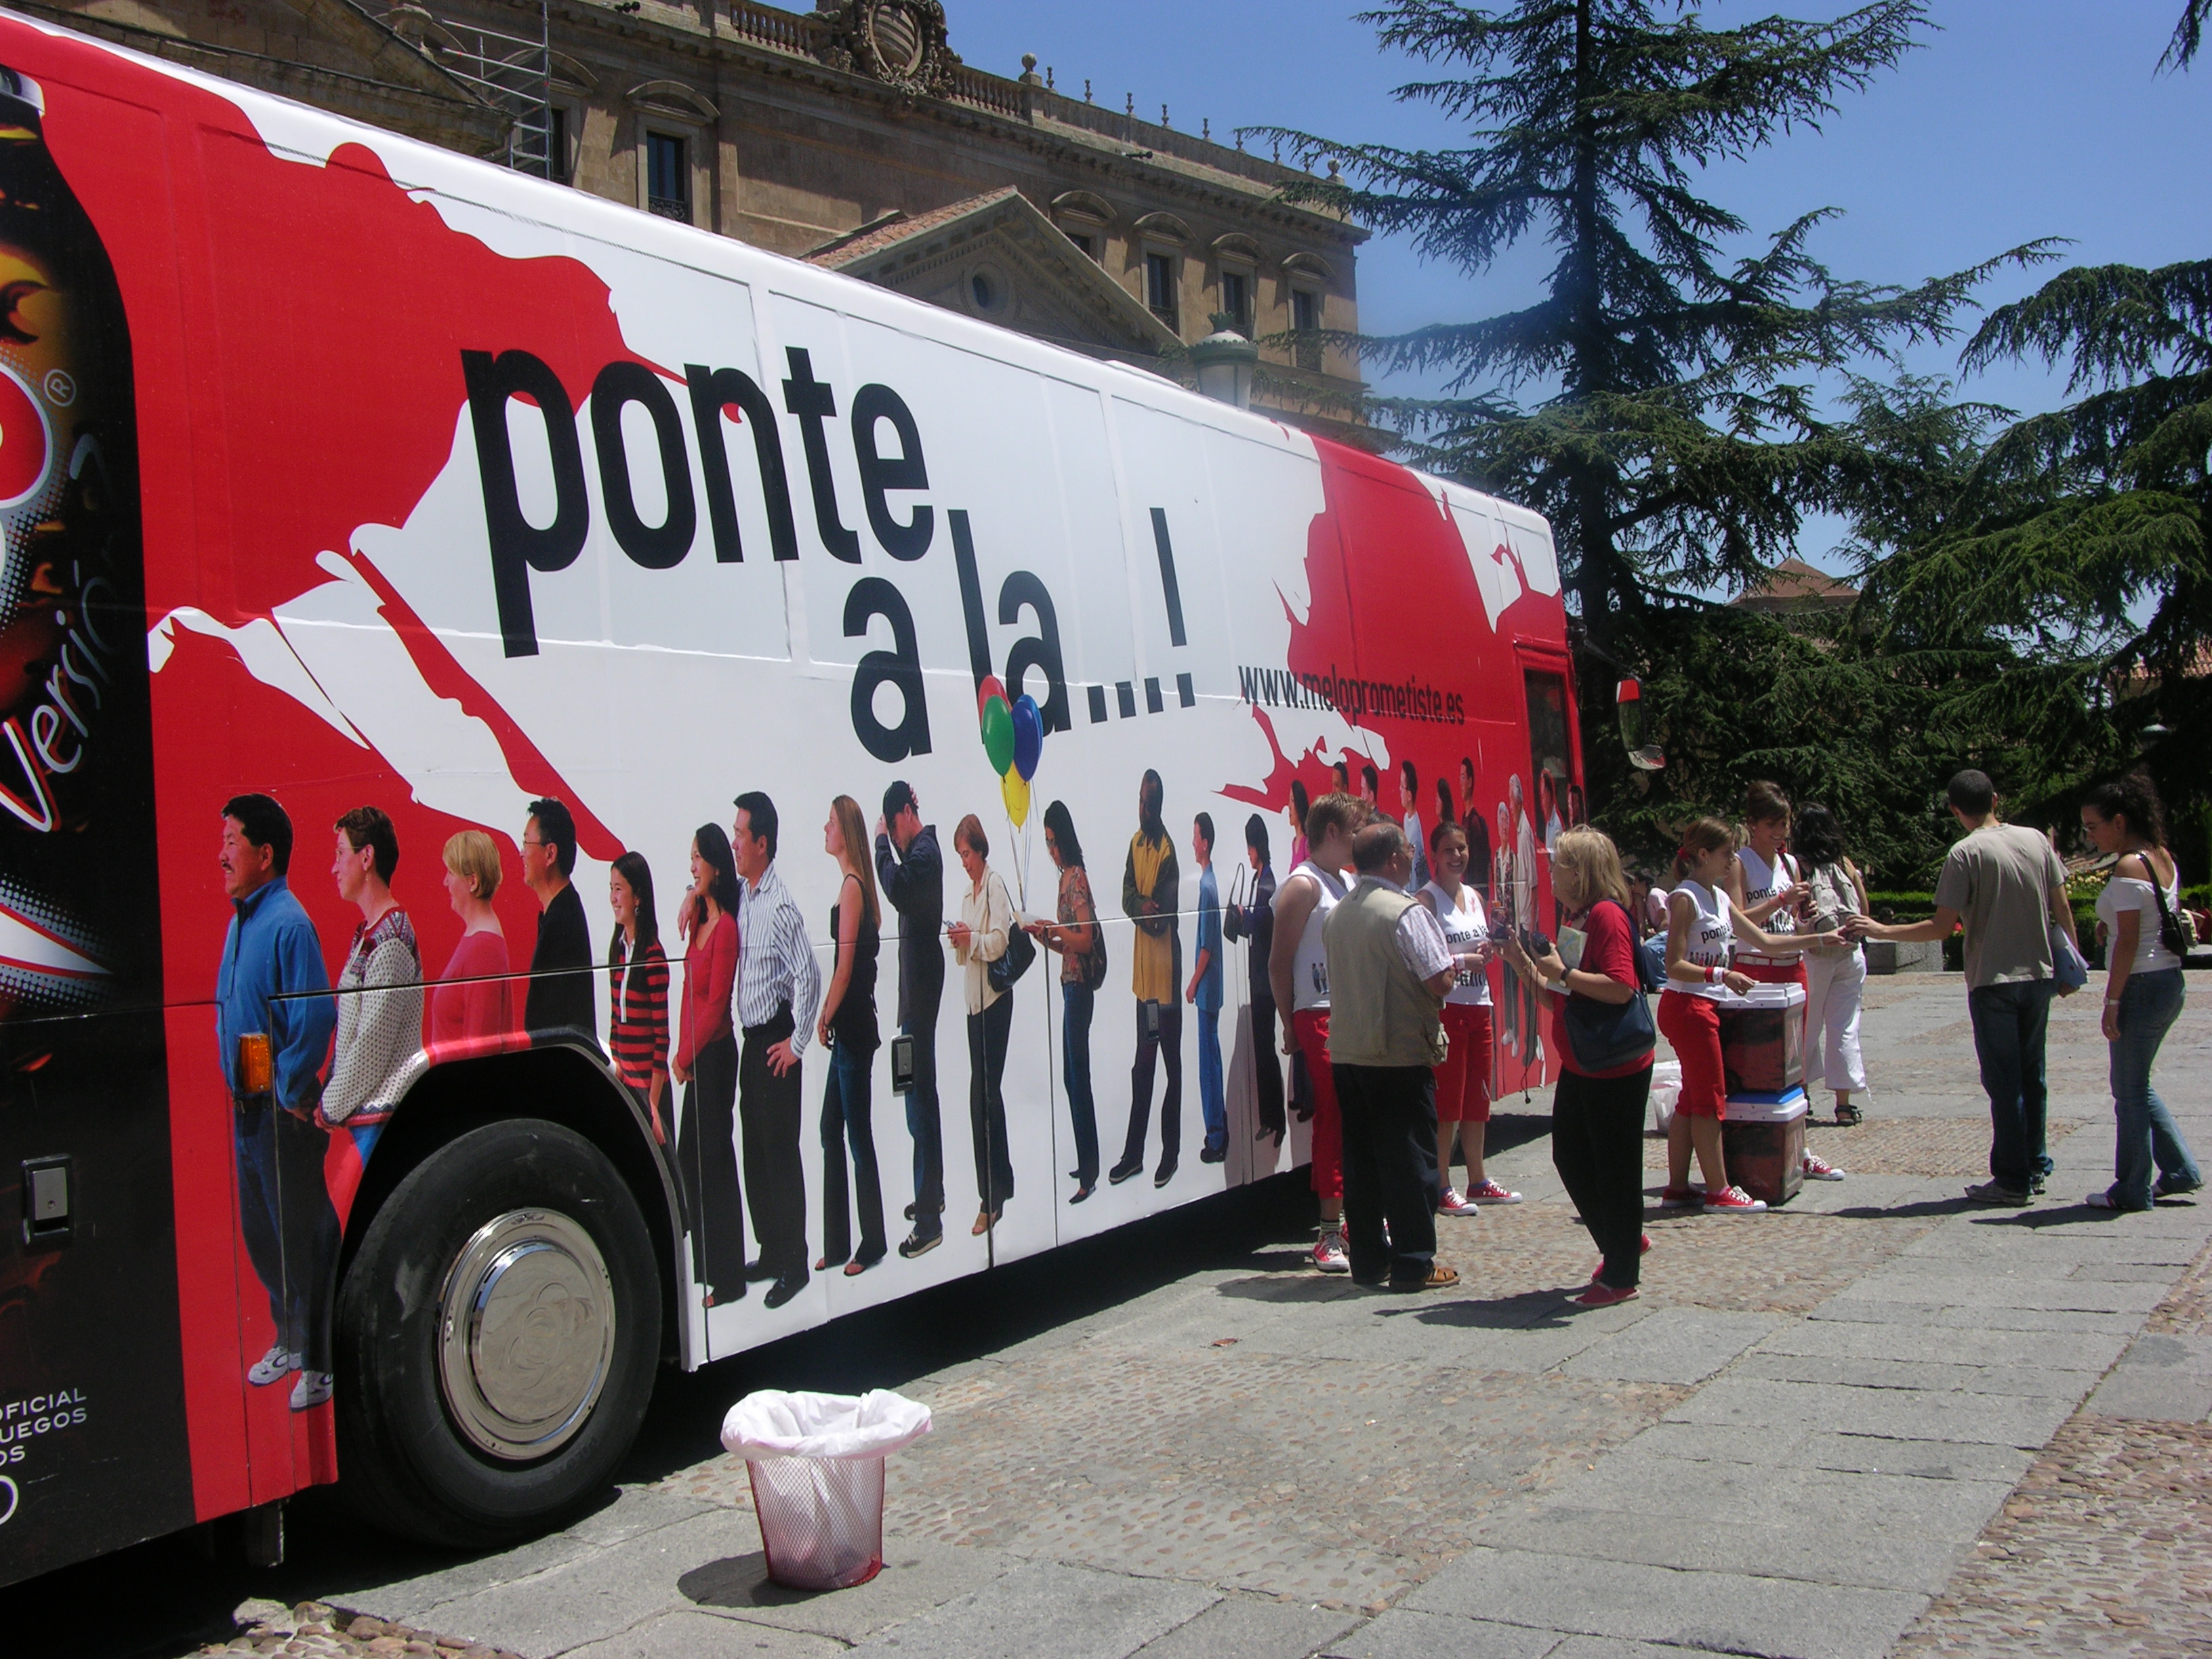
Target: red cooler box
[(1764, 1142), (1763, 1040)]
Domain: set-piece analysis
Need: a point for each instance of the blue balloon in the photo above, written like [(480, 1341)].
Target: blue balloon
[(1028, 735)]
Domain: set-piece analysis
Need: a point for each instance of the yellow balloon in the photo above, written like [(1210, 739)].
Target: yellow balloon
[(1016, 788)]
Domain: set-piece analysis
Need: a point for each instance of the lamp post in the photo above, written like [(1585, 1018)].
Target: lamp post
[(1225, 359)]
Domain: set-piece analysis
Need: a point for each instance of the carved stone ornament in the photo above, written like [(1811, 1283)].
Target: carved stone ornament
[(900, 43)]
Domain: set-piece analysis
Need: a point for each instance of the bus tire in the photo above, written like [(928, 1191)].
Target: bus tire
[(495, 1337)]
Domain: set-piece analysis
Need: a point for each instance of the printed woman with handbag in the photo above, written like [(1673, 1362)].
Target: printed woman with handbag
[(1835, 973), (984, 938), (1602, 1030), (1081, 943), (2144, 945), (1704, 924)]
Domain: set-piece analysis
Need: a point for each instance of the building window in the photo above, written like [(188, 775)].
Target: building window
[(1237, 299), (1160, 289), (556, 144), (1087, 241), (1305, 317), (668, 176)]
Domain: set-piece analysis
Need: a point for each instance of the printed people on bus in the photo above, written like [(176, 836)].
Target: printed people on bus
[(1151, 891), (911, 868), (1578, 807), (1081, 943), (380, 1003), (979, 939), (1370, 787), (1204, 994), (1464, 1075), (846, 1028), (1478, 831), (1339, 777), (638, 987), (559, 1001), (1547, 808), (1297, 973), (1298, 816), (778, 990), (1409, 803), (706, 1066), (1525, 869), (271, 1037), (1468, 812), (1506, 918), (472, 1009), (1255, 921)]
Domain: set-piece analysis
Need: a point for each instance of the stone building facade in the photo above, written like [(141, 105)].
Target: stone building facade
[(852, 136)]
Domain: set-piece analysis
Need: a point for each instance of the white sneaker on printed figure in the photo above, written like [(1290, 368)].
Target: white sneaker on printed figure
[(312, 1388), (1328, 1254), (1491, 1192), (1818, 1169), (1453, 1204), (273, 1366)]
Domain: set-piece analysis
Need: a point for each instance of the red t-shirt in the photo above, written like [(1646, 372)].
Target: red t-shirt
[(1608, 948)]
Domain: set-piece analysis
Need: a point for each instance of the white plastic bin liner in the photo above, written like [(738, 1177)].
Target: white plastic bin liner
[(817, 1463), (1666, 1090)]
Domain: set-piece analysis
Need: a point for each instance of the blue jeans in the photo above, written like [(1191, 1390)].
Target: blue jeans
[(847, 1123), (2010, 1021), (2149, 1004), (1210, 1105), (1075, 1006)]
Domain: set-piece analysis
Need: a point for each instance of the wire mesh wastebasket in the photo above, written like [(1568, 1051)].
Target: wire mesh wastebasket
[(817, 1463)]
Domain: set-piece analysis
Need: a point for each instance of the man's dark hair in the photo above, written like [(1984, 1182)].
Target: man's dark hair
[(1152, 794), (557, 829), (1256, 835), (759, 818), (1367, 776), (264, 824), (897, 799), (1204, 824), (1816, 836), (371, 827), (1973, 794), (1375, 845)]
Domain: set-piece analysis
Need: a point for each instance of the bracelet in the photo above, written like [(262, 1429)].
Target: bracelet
[(1713, 974)]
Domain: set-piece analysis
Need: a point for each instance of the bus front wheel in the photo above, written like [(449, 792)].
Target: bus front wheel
[(496, 1335)]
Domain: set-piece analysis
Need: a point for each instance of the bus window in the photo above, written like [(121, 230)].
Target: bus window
[(1548, 765)]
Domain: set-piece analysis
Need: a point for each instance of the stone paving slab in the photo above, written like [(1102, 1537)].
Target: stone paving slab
[(1837, 1338), (1045, 1610), (1672, 1345), (917, 1577), (1250, 1627), (1748, 1403), (1734, 1612), (1400, 1634), (686, 1635), (2161, 1378), (2032, 1380)]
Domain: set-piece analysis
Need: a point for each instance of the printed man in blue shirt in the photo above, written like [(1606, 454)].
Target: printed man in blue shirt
[(271, 960), (1205, 995)]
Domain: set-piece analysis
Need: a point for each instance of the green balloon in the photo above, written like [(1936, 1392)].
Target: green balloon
[(999, 734)]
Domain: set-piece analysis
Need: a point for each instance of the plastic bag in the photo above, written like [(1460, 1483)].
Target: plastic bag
[(1666, 1090), (772, 1423)]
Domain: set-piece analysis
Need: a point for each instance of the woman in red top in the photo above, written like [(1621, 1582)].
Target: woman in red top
[(706, 1064), (637, 986), (473, 1009), (1597, 1117)]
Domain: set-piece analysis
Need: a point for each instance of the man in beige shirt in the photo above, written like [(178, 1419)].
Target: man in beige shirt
[(1389, 970), (2006, 883)]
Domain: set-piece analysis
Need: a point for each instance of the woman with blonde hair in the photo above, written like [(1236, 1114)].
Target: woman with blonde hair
[(1597, 1111), (472, 1011), (846, 1029)]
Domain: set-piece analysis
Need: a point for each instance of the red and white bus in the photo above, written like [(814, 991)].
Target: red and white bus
[(344, 471)]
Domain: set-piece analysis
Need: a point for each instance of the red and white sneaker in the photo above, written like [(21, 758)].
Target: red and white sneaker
[(1732, 1200), (1818, 1169), (1679, 1198), (1329, 1252), (1453, 1203), (1491, 1192)]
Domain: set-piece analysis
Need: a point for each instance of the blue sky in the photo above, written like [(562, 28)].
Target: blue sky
[(2017, 119)]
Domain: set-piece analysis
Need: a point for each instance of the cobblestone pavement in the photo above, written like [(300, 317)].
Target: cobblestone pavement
[(2105, 1546), (1875, 1421)]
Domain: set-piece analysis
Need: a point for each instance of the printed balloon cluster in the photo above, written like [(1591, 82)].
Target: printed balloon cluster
[(1013, 738)]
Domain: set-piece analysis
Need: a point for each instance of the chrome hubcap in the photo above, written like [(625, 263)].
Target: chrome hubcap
[(527, 1334)]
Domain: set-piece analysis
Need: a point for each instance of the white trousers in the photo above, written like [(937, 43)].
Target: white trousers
[(1834, 988)]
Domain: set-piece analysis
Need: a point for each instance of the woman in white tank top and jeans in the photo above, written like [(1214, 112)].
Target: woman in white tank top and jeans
[(2144, 992)]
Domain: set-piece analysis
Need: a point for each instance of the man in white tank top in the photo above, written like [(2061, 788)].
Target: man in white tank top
[(1297, 969)]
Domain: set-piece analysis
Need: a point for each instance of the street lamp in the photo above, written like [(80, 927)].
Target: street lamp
[(1225, 359)]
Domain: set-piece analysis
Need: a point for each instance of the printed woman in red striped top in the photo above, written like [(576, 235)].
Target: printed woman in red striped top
[(637, 974)]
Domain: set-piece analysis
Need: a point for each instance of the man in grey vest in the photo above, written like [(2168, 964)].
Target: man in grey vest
[(1389, 969)]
